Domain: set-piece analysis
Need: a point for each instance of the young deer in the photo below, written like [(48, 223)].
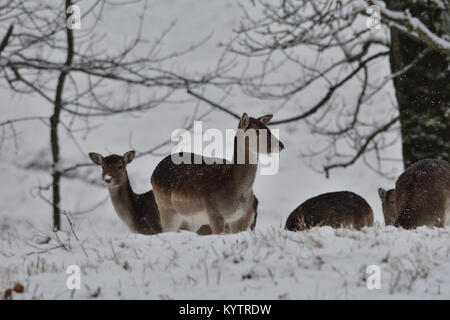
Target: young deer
[(422, 194), (388, 205), (216, 193), (335, 209), (138, 211)]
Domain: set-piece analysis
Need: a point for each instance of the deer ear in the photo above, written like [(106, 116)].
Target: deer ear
[(244, 122), (265, 119), (382, 193), (96, 158), (129, 156)]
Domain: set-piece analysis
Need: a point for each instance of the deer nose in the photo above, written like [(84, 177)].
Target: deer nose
[(282, 145), (107, 178)]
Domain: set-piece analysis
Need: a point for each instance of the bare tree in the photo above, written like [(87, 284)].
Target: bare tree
[(40, 45), (323, 58)]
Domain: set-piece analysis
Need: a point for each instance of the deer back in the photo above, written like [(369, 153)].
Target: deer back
[(422, 194), (335, 209)]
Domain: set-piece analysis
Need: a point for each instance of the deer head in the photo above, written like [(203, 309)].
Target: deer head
[(261, 140), (114, 172), (388, 204)]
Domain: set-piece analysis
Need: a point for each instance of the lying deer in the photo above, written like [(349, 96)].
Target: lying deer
[(334, 209), (138, 211), (422, 194), (388, 205), (214, 191)]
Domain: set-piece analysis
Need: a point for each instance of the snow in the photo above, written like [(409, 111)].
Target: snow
[(321, 263), (269, 263)]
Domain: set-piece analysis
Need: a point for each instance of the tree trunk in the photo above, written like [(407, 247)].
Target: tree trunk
[(423, 92), (54, 124), (56, 174)]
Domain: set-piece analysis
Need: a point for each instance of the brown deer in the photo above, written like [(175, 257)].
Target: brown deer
[(334, 209), (422, 194), (213, 191), (388, 205), (138, 211)]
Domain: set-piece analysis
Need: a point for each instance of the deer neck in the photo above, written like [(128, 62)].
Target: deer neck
[(122, 200), (244, 173)]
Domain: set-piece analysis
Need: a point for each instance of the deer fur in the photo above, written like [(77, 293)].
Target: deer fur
[(422, 194), (335, 209)]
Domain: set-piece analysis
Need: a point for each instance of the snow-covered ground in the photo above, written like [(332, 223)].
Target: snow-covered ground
[(268, 263), (322, 263)]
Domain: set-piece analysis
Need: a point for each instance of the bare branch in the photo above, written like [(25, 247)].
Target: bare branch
[(362, 149), (5, 39)]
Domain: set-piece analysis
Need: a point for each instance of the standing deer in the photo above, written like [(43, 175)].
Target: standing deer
[(422, 194), (138, 211), (334, 209), (214, 191), (388, 205)]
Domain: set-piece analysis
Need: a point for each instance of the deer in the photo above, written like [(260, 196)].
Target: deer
[(422, 195), (138, 211), (335, 209), (214, 191), (388, 206)]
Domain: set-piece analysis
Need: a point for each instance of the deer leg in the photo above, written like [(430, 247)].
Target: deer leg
[(243, 223), (216, 222), (246, 222), (443, 217), (447, 212), (237, 226), (204, 230), (170, 220)]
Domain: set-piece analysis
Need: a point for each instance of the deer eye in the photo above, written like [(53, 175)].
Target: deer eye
[(120, 167)]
